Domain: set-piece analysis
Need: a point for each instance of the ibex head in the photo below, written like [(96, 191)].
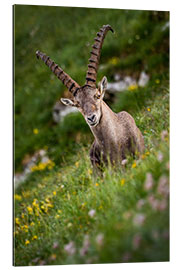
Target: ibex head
[(86, 98)]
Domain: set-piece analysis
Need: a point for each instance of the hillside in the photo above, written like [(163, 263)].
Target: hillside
[(63, 213)]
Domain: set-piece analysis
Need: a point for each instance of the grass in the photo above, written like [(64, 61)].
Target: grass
[(63, 213), (59, 201)]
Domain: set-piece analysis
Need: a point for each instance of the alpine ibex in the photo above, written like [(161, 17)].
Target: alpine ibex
[(116, 134)]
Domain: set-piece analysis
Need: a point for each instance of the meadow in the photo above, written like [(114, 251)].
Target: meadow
[(63, 214)]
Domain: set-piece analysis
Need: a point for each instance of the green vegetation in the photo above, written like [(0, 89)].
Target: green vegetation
[(64, 214)]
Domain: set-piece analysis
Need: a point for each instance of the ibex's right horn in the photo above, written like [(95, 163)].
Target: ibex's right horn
[(95, 55), (65, 78)]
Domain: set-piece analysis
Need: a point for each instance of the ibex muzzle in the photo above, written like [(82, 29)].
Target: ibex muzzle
[(116, 135)]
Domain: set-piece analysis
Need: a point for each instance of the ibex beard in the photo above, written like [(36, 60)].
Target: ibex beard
[(116, 135)]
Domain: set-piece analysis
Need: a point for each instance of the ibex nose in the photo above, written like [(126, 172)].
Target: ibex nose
[(91, 118)]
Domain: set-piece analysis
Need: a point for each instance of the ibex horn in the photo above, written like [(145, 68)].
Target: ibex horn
[(62, 76), (91, 74)]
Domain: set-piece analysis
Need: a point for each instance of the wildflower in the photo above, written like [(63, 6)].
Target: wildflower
[(62, 186), (114, 60), (148, 109), (160, 156), (60, 211), (134, 165), (140, 204), (143, 156), (69, 225), (35, 131), (54, 193), (97, 184), (70, 248), (27, 242), (122, 181), (157, 81), (52, 257), (132, 87), (100, 239), (148, 184), (17, 221), (22, 215), (89, 171), (124, 162), (77, 164), (136, 241), (55, 245), (57, 216), (32, 223), (163, 187), (164, 135), (91, 213), (139, 219), (147, 153), (85, 247), (34, 237), (17, 197), (153, 202), (162, 205), (30, 210)]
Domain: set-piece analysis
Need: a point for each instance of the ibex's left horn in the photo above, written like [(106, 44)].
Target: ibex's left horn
[(91, 74), (64, 77)]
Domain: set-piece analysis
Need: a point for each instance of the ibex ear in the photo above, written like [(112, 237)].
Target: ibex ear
[(103, 85), (67, 101)]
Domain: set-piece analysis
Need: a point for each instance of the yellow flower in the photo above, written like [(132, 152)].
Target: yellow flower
[(35, 131), (114, 60), (54, 193), (77, 164), (97, 184), (57, 216), (147, 153), (89, 171), (17, 197), (30, 210), (22, 215), (134, 165), (157, 81), (122, 181), (132, 87), (60, 211), (27, 242), (17, 221), (32, 223), (35, 203), (148, 109), (34, 237)]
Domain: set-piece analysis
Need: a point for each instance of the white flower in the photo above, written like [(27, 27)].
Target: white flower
[(139, 219), (100, 239), (70, 248), (163, 187), (124, 162), (148, 184), (91, 213)]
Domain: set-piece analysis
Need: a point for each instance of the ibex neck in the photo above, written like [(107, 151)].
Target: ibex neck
[(104, 131)]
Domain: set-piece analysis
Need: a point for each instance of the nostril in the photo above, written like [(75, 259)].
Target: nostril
[(91, 118)]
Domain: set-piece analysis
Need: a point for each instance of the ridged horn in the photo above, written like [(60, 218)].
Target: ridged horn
[(91, 74), (62, 76)]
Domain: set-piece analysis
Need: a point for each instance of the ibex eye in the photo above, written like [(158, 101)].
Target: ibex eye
[(97, 96)]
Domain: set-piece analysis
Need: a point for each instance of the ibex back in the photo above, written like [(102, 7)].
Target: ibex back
[(116, 135)]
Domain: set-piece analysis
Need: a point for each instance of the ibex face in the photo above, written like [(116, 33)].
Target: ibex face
[(88, 101)]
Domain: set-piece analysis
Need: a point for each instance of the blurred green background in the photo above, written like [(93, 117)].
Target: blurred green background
[(140, 42)]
